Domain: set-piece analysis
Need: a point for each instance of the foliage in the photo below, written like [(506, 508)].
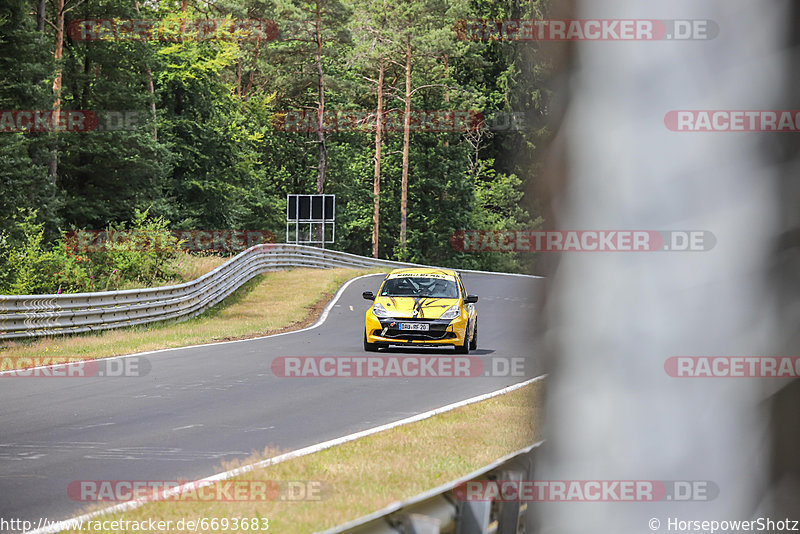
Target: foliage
[(202, 149), (145, 259)]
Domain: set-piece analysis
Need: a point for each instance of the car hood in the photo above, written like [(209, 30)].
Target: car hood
[(426, 307)]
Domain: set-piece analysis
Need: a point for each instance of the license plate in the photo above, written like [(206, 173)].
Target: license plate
[(414, 326)]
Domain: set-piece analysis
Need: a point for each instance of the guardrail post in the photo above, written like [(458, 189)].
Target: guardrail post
[(420, 524), (508, 516), (473, 517)]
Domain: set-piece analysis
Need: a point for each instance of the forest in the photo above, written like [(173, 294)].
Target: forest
[(169, 115)]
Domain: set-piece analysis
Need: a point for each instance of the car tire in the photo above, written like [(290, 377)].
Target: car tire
[(464, 348), (370, 347), (473, 343)]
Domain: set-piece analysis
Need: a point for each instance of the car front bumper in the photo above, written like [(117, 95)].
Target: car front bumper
[(440, 331)]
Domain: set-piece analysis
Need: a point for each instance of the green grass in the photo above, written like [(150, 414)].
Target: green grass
[(365, 475)]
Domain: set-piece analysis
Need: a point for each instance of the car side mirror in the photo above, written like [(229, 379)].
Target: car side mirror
[(471, 299), (368, 295)]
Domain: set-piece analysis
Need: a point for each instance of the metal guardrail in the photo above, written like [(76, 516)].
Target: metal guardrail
[(44, 315), (440, 511)]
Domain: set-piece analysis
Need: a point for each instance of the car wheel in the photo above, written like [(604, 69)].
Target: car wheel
[(370, 347), (464, 348), (473, 344)]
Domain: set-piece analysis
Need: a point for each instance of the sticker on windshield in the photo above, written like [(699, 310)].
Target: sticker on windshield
[(424, 275)]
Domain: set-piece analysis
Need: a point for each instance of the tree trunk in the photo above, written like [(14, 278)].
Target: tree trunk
[(322, 162), (59, 52), (376, 183), (253, 68), (40, 8), (406, 143), (239, 78), (446, 93), (150, 90)]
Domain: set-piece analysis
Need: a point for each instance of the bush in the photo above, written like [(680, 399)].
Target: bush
[(145, 258), (31, 268), (28, 268)]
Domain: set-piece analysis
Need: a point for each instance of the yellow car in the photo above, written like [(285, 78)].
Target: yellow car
[(421, 307)]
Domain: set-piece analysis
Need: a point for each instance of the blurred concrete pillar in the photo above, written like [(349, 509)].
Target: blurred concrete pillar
[(614, 318)]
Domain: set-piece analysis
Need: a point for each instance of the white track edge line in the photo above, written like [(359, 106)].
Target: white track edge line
[(131, 505), (319, 321)]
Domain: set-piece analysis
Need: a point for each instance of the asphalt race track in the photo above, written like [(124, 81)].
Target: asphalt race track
[(199, 406)]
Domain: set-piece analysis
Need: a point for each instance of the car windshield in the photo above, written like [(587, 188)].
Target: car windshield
[(419, 286)]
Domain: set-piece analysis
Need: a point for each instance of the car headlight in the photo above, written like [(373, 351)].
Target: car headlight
[(379, 311), (451, 313)]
